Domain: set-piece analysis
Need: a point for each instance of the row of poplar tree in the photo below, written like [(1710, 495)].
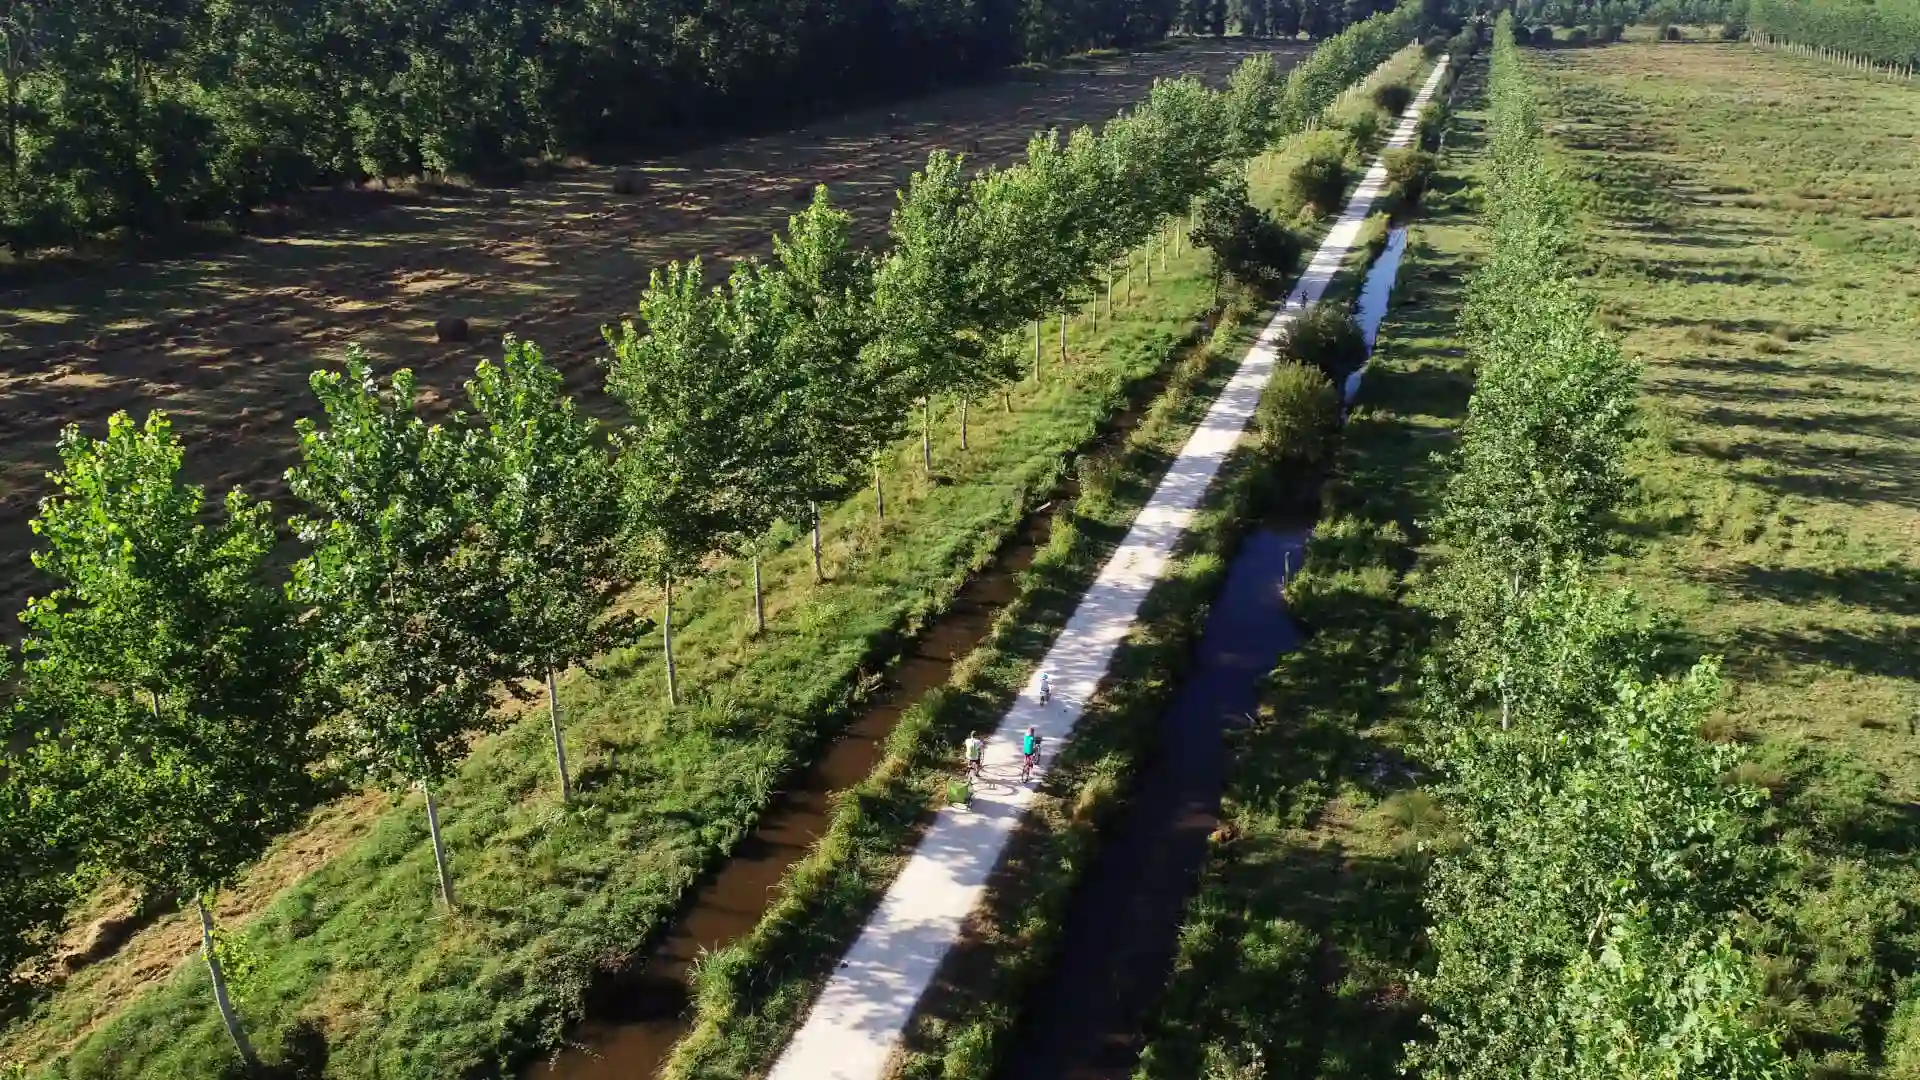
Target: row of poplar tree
[(176, 707), (144, 114), (1581, 926), (1885, 33)]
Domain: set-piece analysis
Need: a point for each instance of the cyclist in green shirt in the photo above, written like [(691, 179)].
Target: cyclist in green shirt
[(976, 749)]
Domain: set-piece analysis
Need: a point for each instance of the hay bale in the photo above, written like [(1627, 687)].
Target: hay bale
[(103, 939), (630, 182), (450, 330)]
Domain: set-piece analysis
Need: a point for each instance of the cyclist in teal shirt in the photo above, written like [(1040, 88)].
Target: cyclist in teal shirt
[(1030, 749)]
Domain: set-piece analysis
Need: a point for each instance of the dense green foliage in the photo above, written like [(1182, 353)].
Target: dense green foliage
[(1579, 919), (143, 114), (179, 743), (1885, 33)]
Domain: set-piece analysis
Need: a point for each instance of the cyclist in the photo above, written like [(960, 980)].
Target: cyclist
[(976, 750), (1046, 688), (1029, 750)]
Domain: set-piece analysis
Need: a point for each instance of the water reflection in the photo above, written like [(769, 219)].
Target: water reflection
[(1372, 305)]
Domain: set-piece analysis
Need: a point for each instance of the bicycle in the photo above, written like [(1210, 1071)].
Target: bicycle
[(1029, 753)]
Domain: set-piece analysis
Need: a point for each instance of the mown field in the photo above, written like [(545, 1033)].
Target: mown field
[(1751, 227), (1757, 225), (225, 342)]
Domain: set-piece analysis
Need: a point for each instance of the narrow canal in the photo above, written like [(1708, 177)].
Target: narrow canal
[(1084, 1021)]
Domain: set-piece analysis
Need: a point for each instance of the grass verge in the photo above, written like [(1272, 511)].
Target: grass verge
[(353, 966)]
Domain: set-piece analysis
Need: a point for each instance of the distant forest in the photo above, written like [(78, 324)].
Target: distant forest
[(138, 115)]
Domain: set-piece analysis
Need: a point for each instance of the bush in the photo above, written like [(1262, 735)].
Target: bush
[(1373, 234), (1578, 36), (1392, 98), (1319, 180), (1434, 46), (1327, 339), (1543, 37), (1463, 44), (1408, 172), (1364, 126), (1733, 29), (1247, 244), (1433, 123), (1296, 428)]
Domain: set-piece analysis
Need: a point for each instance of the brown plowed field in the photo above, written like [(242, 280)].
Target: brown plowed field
[(224, 343)]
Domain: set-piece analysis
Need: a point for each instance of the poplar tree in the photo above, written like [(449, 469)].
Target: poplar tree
[(554, 517), (175, 671), (407, 597), (932, 295), (752, 322), (675, 456), (842, 407)]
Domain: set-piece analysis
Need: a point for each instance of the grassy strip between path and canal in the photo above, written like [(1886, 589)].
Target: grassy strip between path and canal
[(351, 965)]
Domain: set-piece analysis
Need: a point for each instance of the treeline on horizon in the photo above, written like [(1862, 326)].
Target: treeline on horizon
[(136, 116), (1887, 32)]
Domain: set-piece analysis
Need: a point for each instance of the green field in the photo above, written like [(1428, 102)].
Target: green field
[(1757, 228), (1752, 231)]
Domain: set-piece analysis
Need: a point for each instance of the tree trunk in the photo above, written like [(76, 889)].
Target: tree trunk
[(559, 743), (817, 575), (439, 847), (666, 637), (1096, 306), (963, 423), (227, 1014), (1147, 262), (1063, 333), (1036, 350), (1129, 279), (879, 495), (1006, 399), (926, 436), (759, 599)]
